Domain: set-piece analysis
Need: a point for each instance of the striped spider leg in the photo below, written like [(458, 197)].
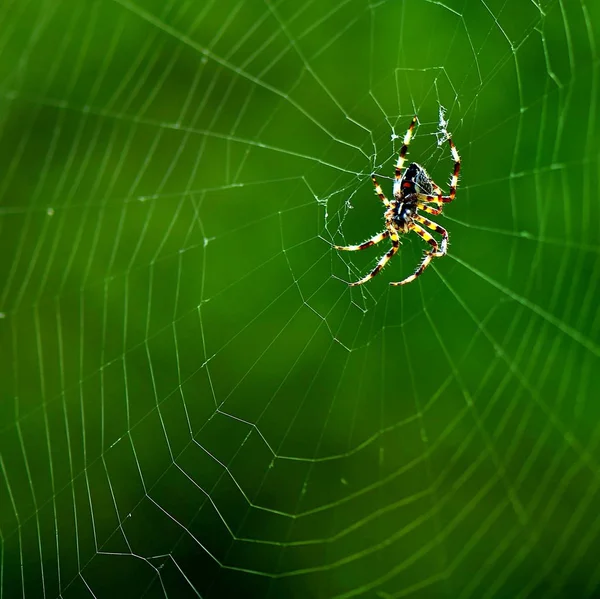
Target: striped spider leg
[(437, 197), (395, 239), (401, 157), (437, 251)]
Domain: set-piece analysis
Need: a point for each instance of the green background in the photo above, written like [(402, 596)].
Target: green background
[(194, 403)]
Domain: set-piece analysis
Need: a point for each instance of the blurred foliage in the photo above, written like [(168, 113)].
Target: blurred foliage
[(192, 399)]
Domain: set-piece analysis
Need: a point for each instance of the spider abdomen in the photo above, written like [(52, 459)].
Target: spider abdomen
[(416, 180)]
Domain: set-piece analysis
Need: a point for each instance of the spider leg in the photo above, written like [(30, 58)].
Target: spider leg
[(429, 256), (424, 264), (429, 209), (379, 191), (454, 180), (375, 239), (382, 262), (438, 198), (402, 156), (434, 227)]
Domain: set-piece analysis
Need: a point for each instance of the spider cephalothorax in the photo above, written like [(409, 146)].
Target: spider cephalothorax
[(414, 190)]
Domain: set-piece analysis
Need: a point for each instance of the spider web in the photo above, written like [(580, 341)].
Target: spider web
[(194, 403)]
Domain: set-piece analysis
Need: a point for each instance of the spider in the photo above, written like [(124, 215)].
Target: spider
[(413, 190)]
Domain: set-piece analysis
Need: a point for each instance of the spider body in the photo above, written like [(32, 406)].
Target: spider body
[(414, 190), (402, 210)]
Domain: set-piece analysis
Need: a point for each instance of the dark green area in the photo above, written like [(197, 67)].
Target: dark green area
[(194, 403)]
